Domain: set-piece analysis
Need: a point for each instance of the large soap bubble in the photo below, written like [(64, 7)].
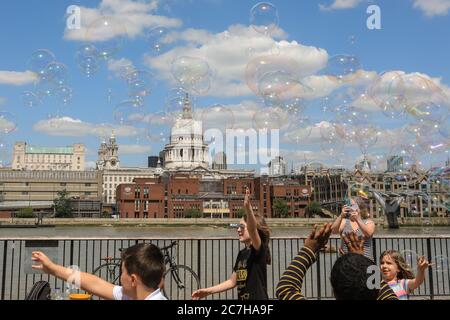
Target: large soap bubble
[(128, 112), (264, 17)]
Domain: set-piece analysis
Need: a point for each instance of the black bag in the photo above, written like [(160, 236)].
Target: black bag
[(40, 291)]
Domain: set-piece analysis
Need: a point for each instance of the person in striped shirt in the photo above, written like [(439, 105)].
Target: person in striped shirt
[(349, 275), (398, 274)]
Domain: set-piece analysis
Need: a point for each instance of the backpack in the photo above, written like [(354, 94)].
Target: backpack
[(40, 291)]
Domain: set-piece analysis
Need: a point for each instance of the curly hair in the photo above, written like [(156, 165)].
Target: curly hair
[(349, 277), (405, 271)]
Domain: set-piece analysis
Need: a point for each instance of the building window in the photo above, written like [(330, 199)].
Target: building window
[(87, 184), (137, 205), (146, 206), (146, 192), (137, 192), (63, 184), (87, 193), (24, 193)]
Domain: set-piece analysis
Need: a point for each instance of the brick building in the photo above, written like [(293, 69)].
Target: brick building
[(172, 196)]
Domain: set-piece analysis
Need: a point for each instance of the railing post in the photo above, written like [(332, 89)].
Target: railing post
[(71, 253), (319, 282), (374, 250), (198, 259), (5, 256), (430, 272)]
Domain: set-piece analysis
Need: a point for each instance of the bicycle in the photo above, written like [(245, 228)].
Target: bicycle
[(179, 280)]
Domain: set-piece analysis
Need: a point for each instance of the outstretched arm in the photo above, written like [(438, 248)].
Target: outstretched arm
[(87, 282), (224, 286), (251, 222), (422, 265)]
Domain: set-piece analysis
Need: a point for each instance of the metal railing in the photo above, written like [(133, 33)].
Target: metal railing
[(213, 260)]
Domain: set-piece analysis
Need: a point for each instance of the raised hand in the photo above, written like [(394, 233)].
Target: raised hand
[(318, 237), (354, 243), (45, 263), (247, 199), (423, 264)]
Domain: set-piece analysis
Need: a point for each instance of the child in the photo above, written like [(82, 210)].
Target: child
[(397, 273), (141, 277), (250, 270), (349, 276)]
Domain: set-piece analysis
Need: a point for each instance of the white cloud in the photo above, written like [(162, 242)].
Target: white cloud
[(134, 149), (340, 4), (229, 53), (17, 78), (127, 18), (433, 7), (69, 127)]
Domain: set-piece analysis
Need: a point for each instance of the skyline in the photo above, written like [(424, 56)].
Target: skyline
[(210, 48)]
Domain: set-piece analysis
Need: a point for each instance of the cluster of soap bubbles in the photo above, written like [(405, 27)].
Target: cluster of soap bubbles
[(276, 80), (104, 38), (420, 100), (51, 80)]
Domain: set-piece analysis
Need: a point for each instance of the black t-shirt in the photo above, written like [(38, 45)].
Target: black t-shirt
[(251, 274)]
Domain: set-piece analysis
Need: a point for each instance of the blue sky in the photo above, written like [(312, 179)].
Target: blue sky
[(413, 42)]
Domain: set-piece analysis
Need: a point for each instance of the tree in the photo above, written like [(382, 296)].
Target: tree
[(25, 213), (62, 205), (312, 209), (193, 214), (280, 208), (240, 213)]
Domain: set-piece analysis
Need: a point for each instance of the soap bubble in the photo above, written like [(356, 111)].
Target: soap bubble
[(343, 67), (40, 59), (64, 94), (108, 33), (299, 130), (56, 72), (268, 119), (158, 39), (264, 18), (192, 73), (128, 112), (218, 117)]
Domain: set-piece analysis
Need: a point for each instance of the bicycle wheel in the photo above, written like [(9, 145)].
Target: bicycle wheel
[(109, 272), (180, 282)]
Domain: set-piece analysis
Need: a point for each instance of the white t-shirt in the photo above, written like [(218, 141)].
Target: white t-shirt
[(155, 295)]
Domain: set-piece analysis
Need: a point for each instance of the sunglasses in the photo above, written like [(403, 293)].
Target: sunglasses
[(237, 225)]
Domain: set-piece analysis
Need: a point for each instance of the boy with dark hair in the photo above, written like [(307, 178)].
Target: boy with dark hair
[(141, 277), (348, 277)]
